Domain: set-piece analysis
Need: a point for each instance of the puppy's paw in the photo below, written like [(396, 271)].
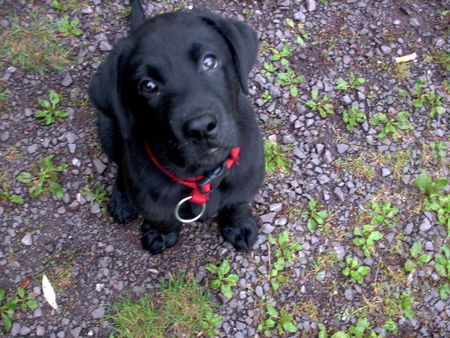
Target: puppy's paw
[(243, 235), (120, 208), (156, 242)]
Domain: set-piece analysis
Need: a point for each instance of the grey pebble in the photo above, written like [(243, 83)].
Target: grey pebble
[(347, 59), (300, 16), (341, 148), (4, 136), (276, 207), (386, 49), (40, 331), (339, 194), (67, 81), (348, 294), (386, 172), (105, 46), (414, 22), (32, 149), (425, 225), (27, 240), (98, 313), (268, 218), (267, 228), (99, 165), (95, 208), (311, 5), (439, 306)]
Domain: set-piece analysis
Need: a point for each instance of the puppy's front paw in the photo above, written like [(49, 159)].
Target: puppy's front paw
[(242, 235), (120, 208), (156, 242)]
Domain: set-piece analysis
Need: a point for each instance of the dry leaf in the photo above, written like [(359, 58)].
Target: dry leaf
[(49, 292), (26, 281), (406, 58)]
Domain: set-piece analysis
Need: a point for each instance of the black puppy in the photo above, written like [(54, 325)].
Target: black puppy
[(172, 114)]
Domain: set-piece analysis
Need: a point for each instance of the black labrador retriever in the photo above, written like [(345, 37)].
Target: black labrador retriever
[(173, 116)]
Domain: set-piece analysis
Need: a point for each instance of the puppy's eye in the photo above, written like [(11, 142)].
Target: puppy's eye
[(148, 86), (209, 62)]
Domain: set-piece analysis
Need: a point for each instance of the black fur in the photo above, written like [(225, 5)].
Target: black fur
[(177, 82)]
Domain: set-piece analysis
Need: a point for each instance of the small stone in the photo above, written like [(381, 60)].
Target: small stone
[(268, 218), (323, 179), (386, 49), (24, 330), (40, 331), (98, 313), (67, 81), (341, 148), (105, 46), (72, 148), (311, 5), (76, 331), (397, 22), (300, 16), (386, 172), (15, 330), (87, 10), (425, 225), (348, 294), (267, 228), (300, 154), (259, 291), (339, 194), (71, 137), (439, 42), (28, 112), (32, 149), (408, 229), (95, 208), (4, 136), (439, 306), (99, 165), (347, 59), (414, 22), (27, 240), (276, 207)]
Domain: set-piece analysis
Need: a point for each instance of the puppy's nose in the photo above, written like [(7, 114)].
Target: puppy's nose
[(201, 127)]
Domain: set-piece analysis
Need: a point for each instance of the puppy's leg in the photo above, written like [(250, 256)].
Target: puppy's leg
[(158, 237), (120, 206), (238, 226)]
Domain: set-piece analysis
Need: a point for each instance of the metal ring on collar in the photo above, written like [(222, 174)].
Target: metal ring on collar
[(182, 220)]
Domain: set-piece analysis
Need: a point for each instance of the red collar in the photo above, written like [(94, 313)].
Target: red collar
[(201, 186)]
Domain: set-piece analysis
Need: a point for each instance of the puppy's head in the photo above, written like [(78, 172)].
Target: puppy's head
[(175, 81)]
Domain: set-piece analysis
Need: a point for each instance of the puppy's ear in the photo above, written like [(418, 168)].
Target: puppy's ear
[(242, 41), (105, 89)]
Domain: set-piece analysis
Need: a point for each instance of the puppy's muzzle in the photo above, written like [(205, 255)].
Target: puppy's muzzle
[(201, 128)]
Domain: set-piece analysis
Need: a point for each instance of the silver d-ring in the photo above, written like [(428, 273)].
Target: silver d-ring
[(182, 220)]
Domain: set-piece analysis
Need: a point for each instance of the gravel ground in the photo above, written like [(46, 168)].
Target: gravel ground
[(93, 263)]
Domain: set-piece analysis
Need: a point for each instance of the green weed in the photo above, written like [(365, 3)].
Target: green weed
[(351, 83), (50, 113), (69, 27), (367, 237), (354, 271), (290, 79), (275, 157), (391, 125), (419, 257), (315, 216), (223, 282), (96, 195), (437, 200), (9, 305), (284, 252), (352, 117), (444, 291), (320, 105), (422, 98), (266, 96), (44, 177), (383, 213), (442, 262), (180, 308), (297, 30), (280, 320)]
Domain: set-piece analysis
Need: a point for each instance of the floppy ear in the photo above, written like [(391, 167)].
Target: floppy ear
[(105, 89), (242, 41)]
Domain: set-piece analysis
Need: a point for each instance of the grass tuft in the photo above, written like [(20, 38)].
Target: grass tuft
[(180, 308)]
